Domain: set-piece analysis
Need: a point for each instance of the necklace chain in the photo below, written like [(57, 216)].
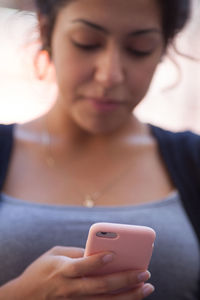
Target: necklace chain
[(89, 199)]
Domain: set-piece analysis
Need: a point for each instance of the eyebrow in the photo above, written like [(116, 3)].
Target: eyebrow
[(104, 30)]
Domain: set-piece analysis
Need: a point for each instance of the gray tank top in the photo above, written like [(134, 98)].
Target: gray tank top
[(27, 230)]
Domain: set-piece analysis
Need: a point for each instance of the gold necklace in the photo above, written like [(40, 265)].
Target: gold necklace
[(90, 199)]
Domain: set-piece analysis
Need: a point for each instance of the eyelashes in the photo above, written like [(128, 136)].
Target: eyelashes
[(96, 47), (139, 53), (87, 47)]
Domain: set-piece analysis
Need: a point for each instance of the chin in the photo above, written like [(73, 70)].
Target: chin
[(100, 129), (101, 125)]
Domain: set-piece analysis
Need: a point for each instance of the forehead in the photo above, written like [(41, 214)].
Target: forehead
[(113, 14)]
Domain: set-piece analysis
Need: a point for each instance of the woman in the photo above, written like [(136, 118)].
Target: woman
[(90, 159)]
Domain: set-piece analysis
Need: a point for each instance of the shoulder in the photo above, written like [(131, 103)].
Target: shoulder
[(6, 138), (181, 153), (6, 130), (184, 136), (185, 143), (6, 134), (6, 145)]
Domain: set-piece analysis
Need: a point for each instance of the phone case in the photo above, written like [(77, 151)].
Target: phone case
[(133, 246)]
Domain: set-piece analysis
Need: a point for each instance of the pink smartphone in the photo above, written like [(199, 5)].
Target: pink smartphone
[(133, 246)]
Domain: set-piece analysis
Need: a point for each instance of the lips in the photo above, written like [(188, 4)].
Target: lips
[(104, 104)]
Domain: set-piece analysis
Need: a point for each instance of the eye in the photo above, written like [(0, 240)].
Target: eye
[(86, 47), (139, 53)]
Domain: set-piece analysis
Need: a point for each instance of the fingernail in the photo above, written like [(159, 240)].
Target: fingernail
[(147, 289), (107, 258), (144, 276)]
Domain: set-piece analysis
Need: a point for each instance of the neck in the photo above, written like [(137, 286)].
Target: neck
[(67, 132)]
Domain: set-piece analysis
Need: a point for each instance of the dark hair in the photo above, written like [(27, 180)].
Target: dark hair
[(175, 14)]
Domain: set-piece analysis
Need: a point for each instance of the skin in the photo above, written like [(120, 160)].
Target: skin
[(87, 136), (83, 137), (110, 70), (62, 273)]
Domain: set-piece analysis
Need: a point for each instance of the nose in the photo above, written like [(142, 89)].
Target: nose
[(110, 70)]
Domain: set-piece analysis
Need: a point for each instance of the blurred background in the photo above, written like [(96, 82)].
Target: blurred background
[(173, 100)]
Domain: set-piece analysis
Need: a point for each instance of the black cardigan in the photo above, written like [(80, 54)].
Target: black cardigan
[(180, 152)]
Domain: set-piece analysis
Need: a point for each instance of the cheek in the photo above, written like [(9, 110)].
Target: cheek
[(141, 76), (70, 70)]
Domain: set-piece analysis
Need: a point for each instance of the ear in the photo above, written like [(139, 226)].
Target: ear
[(42, 63)]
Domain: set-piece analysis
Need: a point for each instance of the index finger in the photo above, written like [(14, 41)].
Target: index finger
[(85, 266), (72, 252)]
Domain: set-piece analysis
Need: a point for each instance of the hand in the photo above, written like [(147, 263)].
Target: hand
[(61, 273)]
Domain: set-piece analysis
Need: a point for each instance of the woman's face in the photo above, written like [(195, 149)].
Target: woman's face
[(105, 54)]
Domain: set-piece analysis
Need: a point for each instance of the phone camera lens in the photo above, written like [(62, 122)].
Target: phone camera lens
[(106, 234)]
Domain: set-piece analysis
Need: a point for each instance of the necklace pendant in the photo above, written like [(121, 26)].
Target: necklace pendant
[(88, 202), (50, 162)]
